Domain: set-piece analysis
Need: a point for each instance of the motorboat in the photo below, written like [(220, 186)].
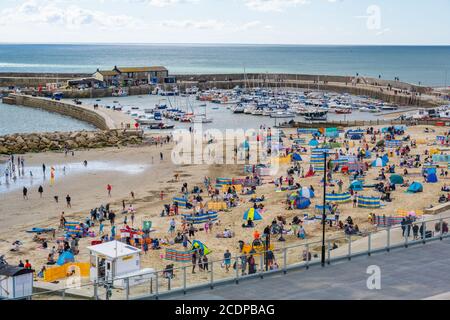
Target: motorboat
[(282, 114), (161, 126), (316, 116)]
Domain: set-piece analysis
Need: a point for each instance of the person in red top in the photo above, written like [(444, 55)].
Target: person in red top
[(109, 188), (27, 265)]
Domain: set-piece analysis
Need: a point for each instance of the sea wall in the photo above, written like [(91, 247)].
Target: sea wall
[(34, 80), (63, 108), (58, 141)]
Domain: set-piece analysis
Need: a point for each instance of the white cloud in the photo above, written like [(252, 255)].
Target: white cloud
[(163, 3), (273, 5), (72, 17), (213, 25)]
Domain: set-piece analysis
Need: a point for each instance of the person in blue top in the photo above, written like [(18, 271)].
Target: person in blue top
[(227, 260)]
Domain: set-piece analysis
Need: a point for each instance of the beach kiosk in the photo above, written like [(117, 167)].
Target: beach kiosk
[(114, 261), (15, 282)]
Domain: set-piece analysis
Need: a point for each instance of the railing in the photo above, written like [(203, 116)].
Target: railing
[(301, 256)]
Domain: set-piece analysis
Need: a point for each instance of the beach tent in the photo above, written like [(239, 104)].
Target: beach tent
[(432, 178), (385, 158), (306, 193), (313, 143), (356, 136), (252, 214), (296, 157), (356, 186), (369, 202), (380, 162), (396, 179), (338, 197), (415, 187), (196, 245), (302, 203), (65, 257)]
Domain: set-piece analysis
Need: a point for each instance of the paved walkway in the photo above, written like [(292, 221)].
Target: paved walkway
[(418, 272)]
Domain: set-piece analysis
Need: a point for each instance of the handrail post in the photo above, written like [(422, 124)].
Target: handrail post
[(369, 246), (307, 256), (285, 260), (388, 244), (184, 279), (127, 288), (169, 283), (237, 270), (157, 286), (211, 285), (406, 237), (424, 228), (96, 289), (349, 247), (441, 223), (261, 265), (329, 252)]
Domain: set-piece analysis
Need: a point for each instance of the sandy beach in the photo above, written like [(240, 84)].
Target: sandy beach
[(146, 175)]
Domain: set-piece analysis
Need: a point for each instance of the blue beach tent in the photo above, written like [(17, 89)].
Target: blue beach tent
[(65, 257), (416, 187)]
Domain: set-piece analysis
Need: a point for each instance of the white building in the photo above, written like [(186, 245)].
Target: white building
[(15, 282)]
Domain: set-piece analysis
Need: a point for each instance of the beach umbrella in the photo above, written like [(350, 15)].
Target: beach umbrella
[(396, 179), (307, 193), (198, 245), (252, 214), (380, 162)]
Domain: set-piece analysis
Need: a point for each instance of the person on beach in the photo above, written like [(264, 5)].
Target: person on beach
[(43, 169), (68, 201), (132, 194), (25, 193), (62, 220), (194, 260), (109, 188), (227, 260), (172, 226), (41, 191), (161, 156)]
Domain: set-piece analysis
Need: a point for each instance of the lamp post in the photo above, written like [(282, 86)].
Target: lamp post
[(324, 215)]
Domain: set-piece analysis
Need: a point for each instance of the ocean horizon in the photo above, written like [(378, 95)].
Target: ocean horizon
[(427, 65)]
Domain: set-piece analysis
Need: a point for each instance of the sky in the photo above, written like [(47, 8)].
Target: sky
[(350, 22)]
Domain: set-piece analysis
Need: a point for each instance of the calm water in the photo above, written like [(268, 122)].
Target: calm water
[(222, 117), (427, 64), (15, 119)]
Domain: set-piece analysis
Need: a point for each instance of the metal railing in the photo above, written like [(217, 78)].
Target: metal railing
[(300, 256)]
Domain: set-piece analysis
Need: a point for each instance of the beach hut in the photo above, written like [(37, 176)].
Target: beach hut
[(65, 257), (15, 282), (415, 187), (338, 197), (302, 203), (198, 245), (356, 186), (380, 162), (114, 261), (252, 214), (396, 179), (369, 202)]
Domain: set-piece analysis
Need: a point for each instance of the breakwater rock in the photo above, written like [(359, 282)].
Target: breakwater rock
[(39, 142)]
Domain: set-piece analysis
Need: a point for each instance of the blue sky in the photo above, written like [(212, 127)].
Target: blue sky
[(226, 21)]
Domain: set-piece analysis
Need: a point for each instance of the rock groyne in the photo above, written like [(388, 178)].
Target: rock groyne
[(21, 143)]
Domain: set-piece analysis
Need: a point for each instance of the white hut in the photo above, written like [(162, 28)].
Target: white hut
[(114, 261), (15, 282)]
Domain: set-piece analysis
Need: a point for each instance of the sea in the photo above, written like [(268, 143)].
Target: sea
[(426, 65)]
